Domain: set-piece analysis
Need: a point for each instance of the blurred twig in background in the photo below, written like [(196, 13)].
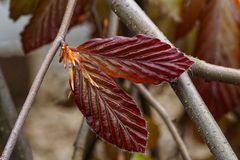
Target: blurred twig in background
[(166, 118), (84, 143), (96, 18), (9, 114)]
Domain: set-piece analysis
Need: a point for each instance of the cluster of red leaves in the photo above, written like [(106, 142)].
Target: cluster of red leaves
[(109, 111), (218, 42)]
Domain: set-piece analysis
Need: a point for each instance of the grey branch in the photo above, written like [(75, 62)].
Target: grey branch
[(96, 18), (137, 21), (212, 72), (38, 80), (8, 109), (113, 24), (166, 118)]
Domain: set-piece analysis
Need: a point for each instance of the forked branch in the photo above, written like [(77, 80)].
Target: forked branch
[(38, 80)]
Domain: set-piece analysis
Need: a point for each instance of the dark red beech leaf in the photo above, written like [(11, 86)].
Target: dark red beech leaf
[(46, 20), (218, 42), (109, 111), (140, 59)]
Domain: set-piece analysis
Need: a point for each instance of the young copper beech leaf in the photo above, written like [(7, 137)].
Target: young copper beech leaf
[(140, 59), (109, 111)]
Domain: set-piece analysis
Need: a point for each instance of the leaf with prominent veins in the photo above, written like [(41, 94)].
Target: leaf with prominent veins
[(109, 111), (140, 59)]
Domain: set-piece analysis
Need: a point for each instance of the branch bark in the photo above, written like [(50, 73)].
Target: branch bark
[(113, 24), (38, 80), (166, 118), (137, 21), (212, 72)]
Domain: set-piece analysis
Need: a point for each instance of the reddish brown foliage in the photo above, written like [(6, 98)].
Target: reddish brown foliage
[(46, 20), (141, 59), (109, 111), (218, 42)]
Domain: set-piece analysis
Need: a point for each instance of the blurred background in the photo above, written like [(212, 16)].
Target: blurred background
[(207, 29)]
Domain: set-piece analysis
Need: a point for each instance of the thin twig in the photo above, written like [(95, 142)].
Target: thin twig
[(113, 24), (137, 21), (166, 118), (80, 142), (84, 143), (96, 18), (9, 111), (38, 80), (212, 72)]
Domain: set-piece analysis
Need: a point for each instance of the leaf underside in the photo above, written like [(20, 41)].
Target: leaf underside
[(110, 112), (140, 59)]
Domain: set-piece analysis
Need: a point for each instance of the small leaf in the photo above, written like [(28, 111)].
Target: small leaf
[(140, 59), (22, 7), (191, 13), (109, 111), (46, 20)]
